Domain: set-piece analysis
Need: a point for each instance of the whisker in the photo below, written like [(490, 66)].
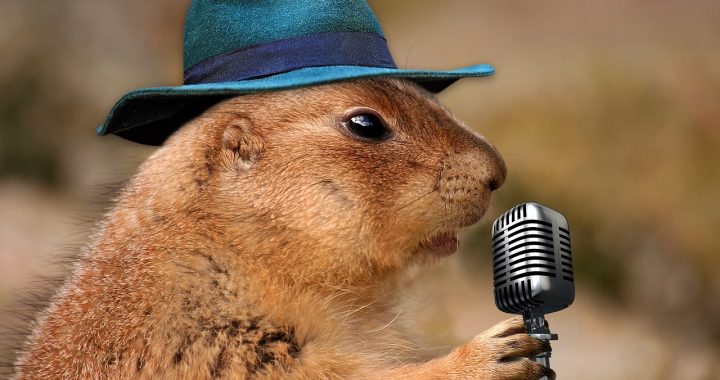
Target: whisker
[(414, 200)]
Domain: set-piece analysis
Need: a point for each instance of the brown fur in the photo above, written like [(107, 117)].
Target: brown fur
[(264, 241)]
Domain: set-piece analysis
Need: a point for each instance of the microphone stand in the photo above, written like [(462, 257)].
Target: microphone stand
[(537, 327)]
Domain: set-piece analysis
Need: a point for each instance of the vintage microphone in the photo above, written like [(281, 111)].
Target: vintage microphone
[(532, 267)]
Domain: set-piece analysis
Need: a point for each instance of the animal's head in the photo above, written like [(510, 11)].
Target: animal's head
[(345, 181)]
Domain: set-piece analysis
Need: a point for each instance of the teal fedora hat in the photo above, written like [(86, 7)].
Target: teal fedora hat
[(235, 47)]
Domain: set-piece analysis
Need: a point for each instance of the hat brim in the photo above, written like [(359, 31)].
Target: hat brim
[(150, 115)]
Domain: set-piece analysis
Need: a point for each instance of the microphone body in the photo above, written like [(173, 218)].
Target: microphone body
[(532, 267)]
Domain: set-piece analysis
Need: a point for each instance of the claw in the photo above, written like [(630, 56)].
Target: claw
[(550, 374), (546, 346)]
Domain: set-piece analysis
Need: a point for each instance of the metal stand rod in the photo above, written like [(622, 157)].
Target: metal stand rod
[(537, 327)]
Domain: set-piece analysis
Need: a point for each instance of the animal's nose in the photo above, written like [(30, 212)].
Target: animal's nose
[(466, 179), (497, 171), (482, 159), (472, 173)]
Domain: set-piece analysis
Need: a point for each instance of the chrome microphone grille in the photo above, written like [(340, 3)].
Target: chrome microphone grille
[(532, 263)]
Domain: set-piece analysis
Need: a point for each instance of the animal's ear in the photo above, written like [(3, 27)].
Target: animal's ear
[(242, 145)]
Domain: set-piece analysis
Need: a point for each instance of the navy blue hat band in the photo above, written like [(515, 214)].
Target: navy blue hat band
[(320, 49)]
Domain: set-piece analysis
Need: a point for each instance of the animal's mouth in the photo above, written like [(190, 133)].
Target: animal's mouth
[(443, 244)]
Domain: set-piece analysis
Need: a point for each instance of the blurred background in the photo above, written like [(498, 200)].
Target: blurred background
[(608, 111)]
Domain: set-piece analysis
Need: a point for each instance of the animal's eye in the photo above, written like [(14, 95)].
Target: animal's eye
[(367, 126)]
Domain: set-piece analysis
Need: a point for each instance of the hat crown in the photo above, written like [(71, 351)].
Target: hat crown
[(215, 27)]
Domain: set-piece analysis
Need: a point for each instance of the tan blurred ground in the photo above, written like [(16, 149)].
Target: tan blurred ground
[(608, 111)]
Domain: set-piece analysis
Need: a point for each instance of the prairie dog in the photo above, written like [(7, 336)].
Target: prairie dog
[(265, 238)]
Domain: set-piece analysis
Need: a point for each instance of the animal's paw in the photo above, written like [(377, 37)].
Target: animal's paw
[(501, 353)]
